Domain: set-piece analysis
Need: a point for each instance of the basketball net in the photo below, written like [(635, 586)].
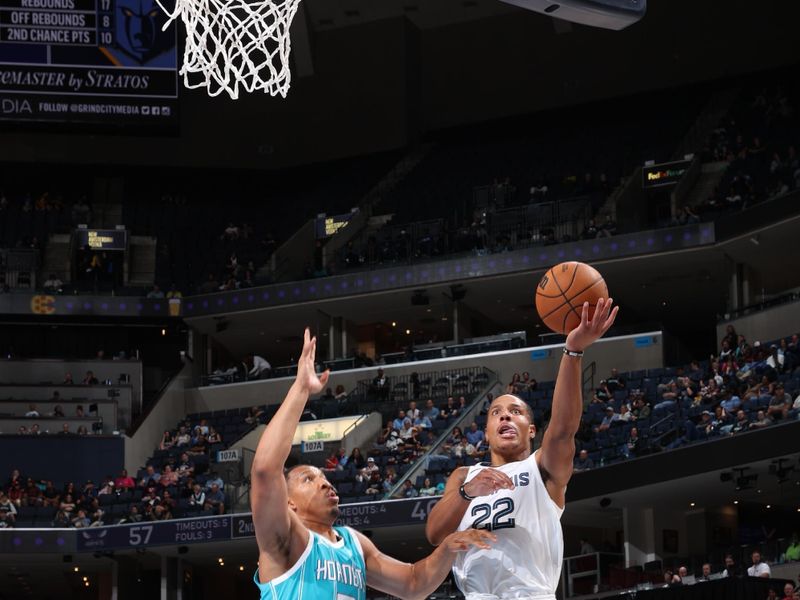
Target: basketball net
[(233, 44)]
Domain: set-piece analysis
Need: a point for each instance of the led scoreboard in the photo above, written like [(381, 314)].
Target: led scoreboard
[(87, 61)]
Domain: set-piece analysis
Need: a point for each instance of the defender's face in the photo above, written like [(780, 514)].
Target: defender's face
[(311, 495), (508, 426)]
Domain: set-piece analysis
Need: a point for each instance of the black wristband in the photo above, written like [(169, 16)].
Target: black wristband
[(572, 353), (463, 493)]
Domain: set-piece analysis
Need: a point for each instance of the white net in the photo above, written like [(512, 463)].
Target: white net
[(233, 44)]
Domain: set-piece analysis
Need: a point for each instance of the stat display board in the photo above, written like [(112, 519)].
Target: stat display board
[(87, 61)]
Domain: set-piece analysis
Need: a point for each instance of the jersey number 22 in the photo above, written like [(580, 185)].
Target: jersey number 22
[(498, 512)]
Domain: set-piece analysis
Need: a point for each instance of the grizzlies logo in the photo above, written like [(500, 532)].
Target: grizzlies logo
[(139, 31)]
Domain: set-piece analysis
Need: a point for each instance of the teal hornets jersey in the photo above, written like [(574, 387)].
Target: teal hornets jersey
[(324, 571)]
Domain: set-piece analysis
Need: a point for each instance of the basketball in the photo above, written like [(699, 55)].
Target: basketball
[(563, 290)]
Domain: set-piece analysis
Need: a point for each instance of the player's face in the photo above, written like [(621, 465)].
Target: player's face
[(312, 496), (508, 426)]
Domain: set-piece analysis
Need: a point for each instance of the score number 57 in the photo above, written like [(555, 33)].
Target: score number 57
[(140, 535)]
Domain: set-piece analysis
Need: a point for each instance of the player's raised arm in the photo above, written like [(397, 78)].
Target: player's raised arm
[(268, 493), (558, 445), (419, 580)]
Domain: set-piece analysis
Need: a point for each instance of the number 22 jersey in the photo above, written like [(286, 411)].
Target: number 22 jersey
[(525, 561)]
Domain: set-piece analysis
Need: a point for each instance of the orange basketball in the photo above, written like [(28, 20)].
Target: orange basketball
[(563, 290)]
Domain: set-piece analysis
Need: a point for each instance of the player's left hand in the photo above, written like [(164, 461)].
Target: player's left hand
[(464, 540), (306, 370), (589, 331)]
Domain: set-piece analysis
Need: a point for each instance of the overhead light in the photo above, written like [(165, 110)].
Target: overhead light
[(769, 505), (85, 578), (241, 567), (76, 569), (394, 323), (163, 332), (408, 332), (691, 503), (86, 583), (737, 502)]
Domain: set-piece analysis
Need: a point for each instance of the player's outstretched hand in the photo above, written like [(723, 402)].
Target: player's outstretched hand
[(487, 482), (464, 540), (589, 331), (306, 370)]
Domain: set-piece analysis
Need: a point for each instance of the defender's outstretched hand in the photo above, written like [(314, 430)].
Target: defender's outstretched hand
[(589, 331), (307, 376), (464, 540)]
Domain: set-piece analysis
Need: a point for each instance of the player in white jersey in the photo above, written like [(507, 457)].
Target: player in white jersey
[(301, 554), (520, 494)]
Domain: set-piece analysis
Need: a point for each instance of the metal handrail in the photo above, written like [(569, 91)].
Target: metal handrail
[(475, 404)]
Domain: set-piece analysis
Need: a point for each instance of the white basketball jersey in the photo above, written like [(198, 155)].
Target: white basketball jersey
[(525, 561)]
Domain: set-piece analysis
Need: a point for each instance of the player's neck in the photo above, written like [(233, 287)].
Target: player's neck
[(499, 459), (323, 529)]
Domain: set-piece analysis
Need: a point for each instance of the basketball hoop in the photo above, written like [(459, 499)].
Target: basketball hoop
[(236, 43)]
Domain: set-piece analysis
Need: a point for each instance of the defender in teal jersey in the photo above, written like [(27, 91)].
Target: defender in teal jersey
[(302, 556)]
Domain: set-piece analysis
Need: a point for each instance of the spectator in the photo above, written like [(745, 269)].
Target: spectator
[(759, 568), (449, 409), (167, 441), (331, 463), (150, 476), (124, 481), (462, 450), (474, 436), (431, 412), (159, 513), (356, 460), (58, 412), (793, 551), (81, 520), (427, 489), (780, 404), (254, 415), (53, 285), (89, 379), (155, 293), (583, 462), (134, 516), (602, 394), (62, 519), (183, 438), (632, 444), (380, 385), (586, 547), (731, 568), (742, 424), (409, 491), (185, 467), (413, 412), (615, 382), (65, 429), (398, 422), (213, 436), (215, 500), (32, 412), (422, 423), (107, 487), (67, 379), (198, 497), (8, 511), (762, 420), (214, 479), (260, 369), (50, 495), (340, 394), (67, 505), (788, 591), (79, 411), (706, 573), (610, 418), (168, 477)]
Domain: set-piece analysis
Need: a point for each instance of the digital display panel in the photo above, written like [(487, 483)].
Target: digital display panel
[(101, 239), (665, 174), (87, 61)]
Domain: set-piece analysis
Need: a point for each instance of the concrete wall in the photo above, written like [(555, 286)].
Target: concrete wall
[(169, 409), (765, 325), (623, 353)]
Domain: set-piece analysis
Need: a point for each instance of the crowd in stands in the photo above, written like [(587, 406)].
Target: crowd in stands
[(155, 495), (758, 139)]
